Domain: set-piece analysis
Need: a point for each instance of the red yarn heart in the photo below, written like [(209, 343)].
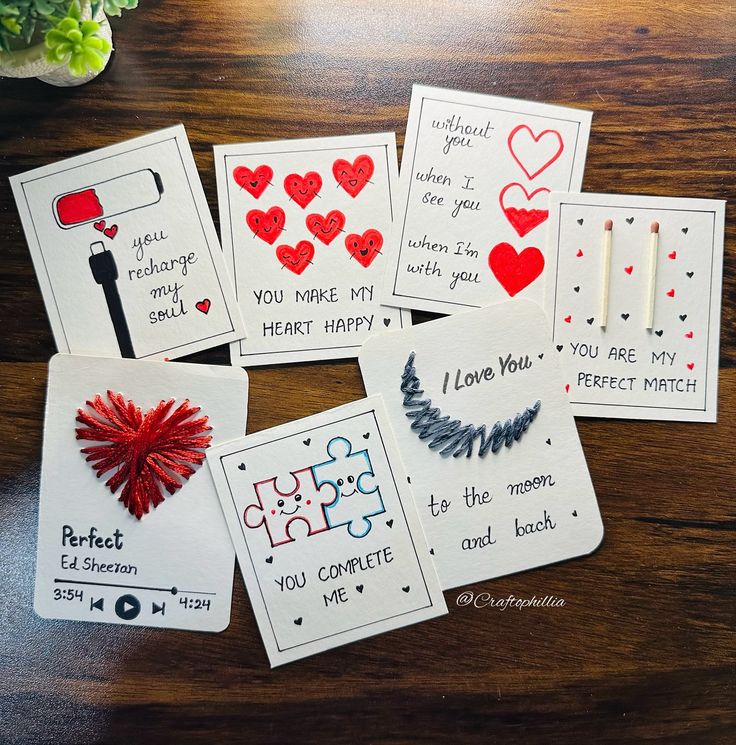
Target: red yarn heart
[(146, 451)]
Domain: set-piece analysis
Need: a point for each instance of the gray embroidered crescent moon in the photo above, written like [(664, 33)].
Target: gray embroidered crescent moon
[(451, 435)]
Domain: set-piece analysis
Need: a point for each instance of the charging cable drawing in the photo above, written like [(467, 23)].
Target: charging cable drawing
[(105, 273)]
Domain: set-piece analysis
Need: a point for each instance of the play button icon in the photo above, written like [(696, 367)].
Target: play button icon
[(127, 607)]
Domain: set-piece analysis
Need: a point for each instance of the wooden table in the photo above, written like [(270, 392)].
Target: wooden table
[(644, 648)]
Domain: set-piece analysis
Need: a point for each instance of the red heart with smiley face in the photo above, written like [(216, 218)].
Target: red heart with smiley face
[(254, 182), (266, 225), (353, 176), (364, 248), (297, 258), (326, 228), (303, 189)]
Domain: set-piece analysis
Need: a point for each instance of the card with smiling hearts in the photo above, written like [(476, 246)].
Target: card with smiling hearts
[(634, 300), (488, 440), (305, 229), (126, 252), (476, 174)]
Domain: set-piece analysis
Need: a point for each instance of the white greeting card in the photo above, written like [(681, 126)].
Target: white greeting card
[(476, 174), (635, 310), (488, 440), (144, 425), (326, 531), (305, 229), (126, 253)]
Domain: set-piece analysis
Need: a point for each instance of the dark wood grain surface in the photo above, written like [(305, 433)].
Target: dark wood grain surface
[(644, 648)]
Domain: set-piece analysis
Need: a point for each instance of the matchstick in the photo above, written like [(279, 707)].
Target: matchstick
[(605, 272), (653, 249)]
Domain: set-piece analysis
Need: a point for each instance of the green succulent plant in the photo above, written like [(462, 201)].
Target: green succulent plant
[(77, 43), (23, 22), (114, 7)]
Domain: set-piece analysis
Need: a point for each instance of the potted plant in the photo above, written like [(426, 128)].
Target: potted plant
[(61, 42)]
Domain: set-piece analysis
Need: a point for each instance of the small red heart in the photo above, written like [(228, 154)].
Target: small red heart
[(628, 269), (689, 335), (515, 271), (670, 293), (203, 306), (690, 365), (579, 253), (364, 248), (100, 225), (266, 225), (568, 319), (672, 255), (567, 388), (353, 176), (303, 189), (254, 182), (112, 231), (523, 220), (326, 228), (296, 259)]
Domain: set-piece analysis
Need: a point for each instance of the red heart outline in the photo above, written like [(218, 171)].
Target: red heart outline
[(516, 130), (297, 258), (364, 248), (254, 182), (523, 220), (353, 176), (268, 225), (203, 306), (325, 228), (303, 189), (515, 271)]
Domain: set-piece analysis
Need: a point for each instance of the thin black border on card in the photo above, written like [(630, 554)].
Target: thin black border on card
[(411, 180), (371, 412), (175, 138), (710, 298), (243, 354)]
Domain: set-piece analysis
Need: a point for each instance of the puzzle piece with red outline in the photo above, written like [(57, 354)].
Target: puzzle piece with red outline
[(278, 509)]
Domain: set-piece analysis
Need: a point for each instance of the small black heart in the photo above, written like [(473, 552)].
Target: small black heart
[(683, 316), (659, 332), (689, 274), (574, 513), (629, 220), (540, 355), (386, 321), (308, 440), (625, 316), (406, 589), (390, 523), (269, 560), (408, 478), (549, 442), (559, 347), (590, 321), (431, 551), (359, 588), (576, 288), (241, 467), (298, 621), (684, 230), (366, 435), (580, 220)]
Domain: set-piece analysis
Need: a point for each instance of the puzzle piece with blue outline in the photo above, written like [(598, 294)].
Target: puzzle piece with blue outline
[(348, 473), (278, 509)]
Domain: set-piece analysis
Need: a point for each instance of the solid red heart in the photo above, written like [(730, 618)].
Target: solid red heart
[(326, 228), (353, 176), (296, 259), (568, 319), (537, 152), (690, 365), (266, 225), (515, 271), (522, 220), (689, 335), (567, 387), (579, 253), (672, 255), (100, 225), (628, 269), (112, 231), (203, 306), (670, 293), (303, 189), (364, 248), (254, 182)]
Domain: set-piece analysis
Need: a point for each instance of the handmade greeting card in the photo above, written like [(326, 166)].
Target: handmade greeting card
[(130, 530), (126, 253), (488, 440), (476, 174), (305, 229), (326, 531), (634, 301)]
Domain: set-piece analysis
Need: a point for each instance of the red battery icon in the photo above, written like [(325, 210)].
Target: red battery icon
[(108, 198)]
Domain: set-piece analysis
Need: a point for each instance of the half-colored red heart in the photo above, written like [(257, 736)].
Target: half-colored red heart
[(100, 225), (353, 176), (515, 271), (266, 225), (203, 306), (111, 232), (297, 258), (145, 452), (326, 228), (303, 189), (364, 248), (523, 220), (534, 153), (254, 182)]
